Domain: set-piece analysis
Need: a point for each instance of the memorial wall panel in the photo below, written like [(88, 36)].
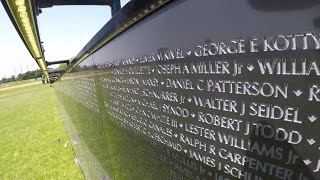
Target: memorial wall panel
[(203, 90), (79, 108)]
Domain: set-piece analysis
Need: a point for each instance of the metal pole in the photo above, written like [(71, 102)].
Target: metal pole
[(115, 7)]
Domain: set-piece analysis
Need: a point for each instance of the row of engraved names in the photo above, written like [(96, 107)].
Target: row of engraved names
[(248, 88), (274, 66), (284, 113)]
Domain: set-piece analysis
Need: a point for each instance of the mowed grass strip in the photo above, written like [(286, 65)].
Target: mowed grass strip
[(22, 82), (33, 142)]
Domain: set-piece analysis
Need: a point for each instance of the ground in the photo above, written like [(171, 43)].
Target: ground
[(34, 144), (19, 84)]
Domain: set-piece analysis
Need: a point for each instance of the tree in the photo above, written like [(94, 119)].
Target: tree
[(62, 66), (13, 78), (4, 80), (24, 76), (19, 77)]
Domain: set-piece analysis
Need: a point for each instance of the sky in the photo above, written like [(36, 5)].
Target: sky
[(65, 30)]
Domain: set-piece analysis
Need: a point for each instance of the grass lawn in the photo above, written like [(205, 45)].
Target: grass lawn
[(14, 83), (30, 127)]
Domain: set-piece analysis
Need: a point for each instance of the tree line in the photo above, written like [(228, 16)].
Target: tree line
[(24, 76)]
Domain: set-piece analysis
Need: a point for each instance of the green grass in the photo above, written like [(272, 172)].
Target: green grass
[(14, 83), (29, 127)]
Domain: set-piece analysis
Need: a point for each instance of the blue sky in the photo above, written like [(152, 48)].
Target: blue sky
[(64, 30)]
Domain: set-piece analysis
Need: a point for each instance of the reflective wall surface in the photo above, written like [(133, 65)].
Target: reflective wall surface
[(201, 90)]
